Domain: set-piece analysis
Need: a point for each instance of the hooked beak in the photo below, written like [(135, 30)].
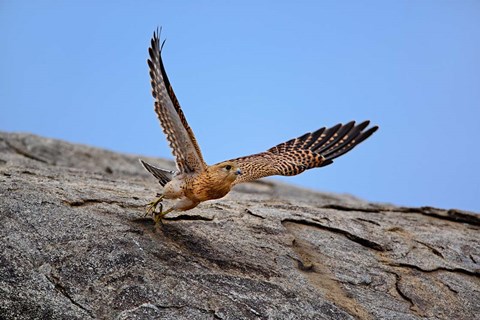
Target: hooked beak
[(238, 172)]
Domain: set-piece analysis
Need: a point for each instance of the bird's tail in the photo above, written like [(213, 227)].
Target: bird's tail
[(163, 176)]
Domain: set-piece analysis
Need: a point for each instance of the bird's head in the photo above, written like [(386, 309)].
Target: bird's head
[(226, 171)]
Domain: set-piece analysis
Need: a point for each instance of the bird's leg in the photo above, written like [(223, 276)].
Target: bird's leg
[(159, 215), (152, 206)]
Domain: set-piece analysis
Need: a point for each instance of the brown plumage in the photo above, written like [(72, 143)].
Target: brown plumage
[(195, 181)]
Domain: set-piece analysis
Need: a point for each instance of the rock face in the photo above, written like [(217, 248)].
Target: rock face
[(75, 245)]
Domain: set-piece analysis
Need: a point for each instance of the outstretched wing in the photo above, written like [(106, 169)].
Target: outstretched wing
[(179, 134), (311, 150)]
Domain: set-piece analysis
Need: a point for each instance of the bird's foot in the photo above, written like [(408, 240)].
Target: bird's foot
[(152, 206), (158, 216)]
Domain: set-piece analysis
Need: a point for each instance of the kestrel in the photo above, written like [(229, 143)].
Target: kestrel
[(195, 181)]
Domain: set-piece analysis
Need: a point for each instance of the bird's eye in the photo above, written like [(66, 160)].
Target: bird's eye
[(228, 167)]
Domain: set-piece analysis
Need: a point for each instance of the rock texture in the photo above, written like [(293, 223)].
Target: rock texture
[(74, 245)]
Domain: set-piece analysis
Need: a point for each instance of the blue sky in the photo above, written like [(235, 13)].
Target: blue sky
[(255, 74)]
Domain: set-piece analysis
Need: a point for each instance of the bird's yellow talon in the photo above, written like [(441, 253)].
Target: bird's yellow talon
[(158, 219), (159, 215), (152, 206)]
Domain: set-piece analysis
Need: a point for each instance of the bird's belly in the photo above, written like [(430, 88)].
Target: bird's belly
[(173, 190), (185, 203)]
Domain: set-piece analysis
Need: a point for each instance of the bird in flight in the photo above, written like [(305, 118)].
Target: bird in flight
[(195, 181)]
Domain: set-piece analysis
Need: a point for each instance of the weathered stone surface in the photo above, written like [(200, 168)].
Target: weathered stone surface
[(74, 245)]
